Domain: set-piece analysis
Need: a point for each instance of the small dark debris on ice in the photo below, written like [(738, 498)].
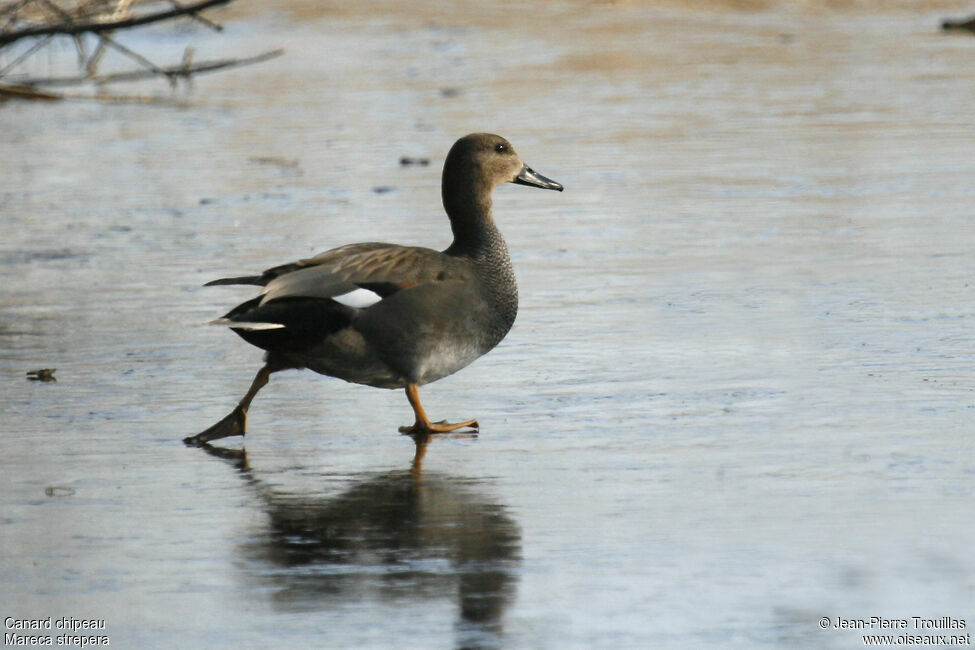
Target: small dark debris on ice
[(42, 374), (967, 24)]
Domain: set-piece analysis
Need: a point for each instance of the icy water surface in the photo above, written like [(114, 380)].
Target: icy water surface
[(738, 397)]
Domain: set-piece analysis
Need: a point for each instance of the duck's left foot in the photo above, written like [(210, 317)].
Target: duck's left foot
[(427, 428), (235, 424)]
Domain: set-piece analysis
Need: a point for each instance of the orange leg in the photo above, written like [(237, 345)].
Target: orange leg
[(423, 425), (234, 424)]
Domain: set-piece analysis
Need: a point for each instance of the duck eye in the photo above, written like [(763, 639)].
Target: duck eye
[(500, 148)]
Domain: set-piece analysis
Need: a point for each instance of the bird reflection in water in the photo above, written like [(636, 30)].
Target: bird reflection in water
[(401, 535)]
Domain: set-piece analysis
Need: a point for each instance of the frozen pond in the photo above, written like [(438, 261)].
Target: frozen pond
[(739, 396)]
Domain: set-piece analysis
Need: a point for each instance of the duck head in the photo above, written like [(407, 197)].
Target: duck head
[(488, 160)]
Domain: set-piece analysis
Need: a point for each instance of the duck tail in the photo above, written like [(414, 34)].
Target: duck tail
[(244, 279)]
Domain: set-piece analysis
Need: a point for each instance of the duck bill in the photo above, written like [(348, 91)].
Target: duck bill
[(529, 176)]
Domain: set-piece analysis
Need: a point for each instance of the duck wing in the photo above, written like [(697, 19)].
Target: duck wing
[(361, 275), (328, 258)]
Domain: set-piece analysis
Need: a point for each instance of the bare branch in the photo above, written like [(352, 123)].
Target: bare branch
[(202, 19), (72, 28), (138, 58), (33, 48), (25, 92), (10, 12), (172, 72)]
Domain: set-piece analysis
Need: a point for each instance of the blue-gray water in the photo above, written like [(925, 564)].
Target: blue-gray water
[(738, 397)]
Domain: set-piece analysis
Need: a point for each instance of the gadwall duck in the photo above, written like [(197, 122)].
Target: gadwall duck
[(393, 316)]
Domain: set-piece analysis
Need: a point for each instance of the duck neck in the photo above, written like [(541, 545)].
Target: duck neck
[(472, 223), (477, 238)]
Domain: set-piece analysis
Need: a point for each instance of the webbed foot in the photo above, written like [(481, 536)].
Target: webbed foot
[(426, 428), (235, 424)]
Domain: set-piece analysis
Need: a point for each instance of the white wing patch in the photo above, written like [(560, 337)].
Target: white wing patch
[(358, 298), (243, 325)]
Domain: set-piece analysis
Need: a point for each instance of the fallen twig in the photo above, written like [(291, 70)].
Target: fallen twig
[(172, 72), (26, 92)]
